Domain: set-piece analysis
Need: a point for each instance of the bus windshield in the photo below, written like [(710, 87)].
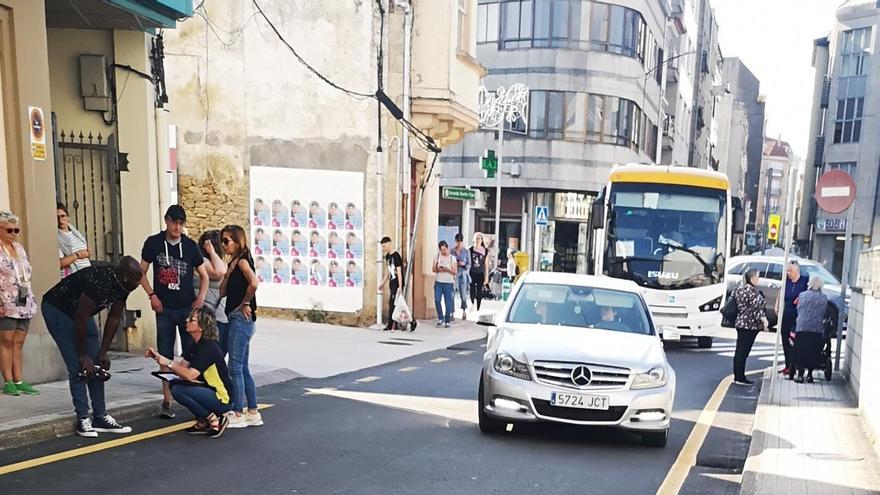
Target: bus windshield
[(666, 236)]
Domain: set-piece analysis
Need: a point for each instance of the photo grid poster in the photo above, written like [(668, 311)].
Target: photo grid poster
[(307, 237)]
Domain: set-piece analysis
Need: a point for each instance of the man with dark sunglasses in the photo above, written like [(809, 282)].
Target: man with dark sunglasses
[(174, 257)]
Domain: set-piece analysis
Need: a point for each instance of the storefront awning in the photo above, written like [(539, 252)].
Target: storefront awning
[(140, 15)]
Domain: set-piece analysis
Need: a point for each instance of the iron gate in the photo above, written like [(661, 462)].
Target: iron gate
[(87, 182)]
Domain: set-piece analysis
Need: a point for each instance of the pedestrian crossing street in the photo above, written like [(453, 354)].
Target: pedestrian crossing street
[(760, 351)]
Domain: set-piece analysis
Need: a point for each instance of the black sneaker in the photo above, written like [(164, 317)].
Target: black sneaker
[(742, 381), (216, 431), (167, 411), (198, 429), (84, 428), (106, 424)]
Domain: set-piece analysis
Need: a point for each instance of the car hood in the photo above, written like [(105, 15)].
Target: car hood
[(529, 343)]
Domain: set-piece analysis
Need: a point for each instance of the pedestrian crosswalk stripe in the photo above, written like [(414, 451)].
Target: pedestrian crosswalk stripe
[(440, 360), (368, 379)]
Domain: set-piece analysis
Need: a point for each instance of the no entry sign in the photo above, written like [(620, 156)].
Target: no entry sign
[(835, 191)]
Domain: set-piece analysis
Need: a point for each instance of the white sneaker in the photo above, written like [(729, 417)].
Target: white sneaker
[(236, 420), (253, 419)]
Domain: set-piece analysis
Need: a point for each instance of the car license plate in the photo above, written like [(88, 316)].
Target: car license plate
[(577, 401)]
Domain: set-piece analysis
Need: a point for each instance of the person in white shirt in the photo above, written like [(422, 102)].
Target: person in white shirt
[(511, 265), (445, 268), (73, 250)]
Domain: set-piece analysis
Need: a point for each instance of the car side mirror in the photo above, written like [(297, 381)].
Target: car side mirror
[(597, 215), (486, 320)]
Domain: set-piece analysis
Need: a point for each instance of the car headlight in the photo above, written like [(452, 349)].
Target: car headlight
[(506, 365), (653, 378), (713, 305)]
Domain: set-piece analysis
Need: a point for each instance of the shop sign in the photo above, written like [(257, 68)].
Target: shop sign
[(572, 206)]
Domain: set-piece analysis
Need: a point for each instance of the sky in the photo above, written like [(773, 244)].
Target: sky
[(775, 40)]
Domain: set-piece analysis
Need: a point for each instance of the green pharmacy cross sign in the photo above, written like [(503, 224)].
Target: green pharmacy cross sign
[(459, 193), (489, 163)]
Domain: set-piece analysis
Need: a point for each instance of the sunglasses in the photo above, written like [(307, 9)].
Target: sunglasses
[(15, 230)]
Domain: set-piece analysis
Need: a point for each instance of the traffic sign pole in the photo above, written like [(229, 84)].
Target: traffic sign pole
[(844, 283)]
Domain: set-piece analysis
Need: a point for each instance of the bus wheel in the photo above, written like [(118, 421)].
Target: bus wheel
[(704, 342)]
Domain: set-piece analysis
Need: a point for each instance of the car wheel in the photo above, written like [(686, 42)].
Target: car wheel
[(704, 342), (487, 424), (655, 438)]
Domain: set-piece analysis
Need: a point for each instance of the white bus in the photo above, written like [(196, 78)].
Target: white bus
[(669, 229)]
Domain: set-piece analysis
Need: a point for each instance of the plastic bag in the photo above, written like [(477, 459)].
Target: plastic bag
[(401, 313)]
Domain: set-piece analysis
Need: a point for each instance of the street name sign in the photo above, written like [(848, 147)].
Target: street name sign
[(459, 193), (835, 191)]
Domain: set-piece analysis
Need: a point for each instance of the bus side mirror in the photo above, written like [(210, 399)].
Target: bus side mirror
[(597, 215), (739, 217)]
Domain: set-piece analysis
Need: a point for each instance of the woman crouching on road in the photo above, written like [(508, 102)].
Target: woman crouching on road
[(750, 319), (810, 330), (205, 385)]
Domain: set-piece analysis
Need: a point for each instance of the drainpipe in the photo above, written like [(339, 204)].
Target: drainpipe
[(405, 185), (162, 159)]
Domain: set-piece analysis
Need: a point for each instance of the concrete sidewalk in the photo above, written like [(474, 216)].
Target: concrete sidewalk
[(809, 438), (280, 351)]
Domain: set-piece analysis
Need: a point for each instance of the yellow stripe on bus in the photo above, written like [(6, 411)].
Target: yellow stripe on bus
[(674, 178)]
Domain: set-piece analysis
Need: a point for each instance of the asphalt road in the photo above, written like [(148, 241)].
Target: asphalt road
[(406, 427)]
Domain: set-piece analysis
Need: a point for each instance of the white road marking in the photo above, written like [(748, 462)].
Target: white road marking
[(408, 368), (456, 409), (368, 379), (465, 353), (440, 360)]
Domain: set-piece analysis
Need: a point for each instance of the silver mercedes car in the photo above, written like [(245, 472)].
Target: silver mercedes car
[(576, 349)]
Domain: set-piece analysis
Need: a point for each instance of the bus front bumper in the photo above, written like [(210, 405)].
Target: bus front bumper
[(697, 324)]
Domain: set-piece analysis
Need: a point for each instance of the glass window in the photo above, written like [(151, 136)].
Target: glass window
[(575, 116), (560, 22), (595, 112), (463, 38), (612, 111), (580, 306), (537, 113), (555, 114), (487, 22), (542, 22), (848, 121), (615, 33), (773, 271), (525, 19), (599, 25)]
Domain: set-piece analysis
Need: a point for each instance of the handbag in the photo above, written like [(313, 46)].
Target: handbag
[(729, 312)]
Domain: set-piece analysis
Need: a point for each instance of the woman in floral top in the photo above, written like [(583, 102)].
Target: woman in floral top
[(17, 305), (750, 319)]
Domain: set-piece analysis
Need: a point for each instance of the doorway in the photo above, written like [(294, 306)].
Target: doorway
[(566, 246)]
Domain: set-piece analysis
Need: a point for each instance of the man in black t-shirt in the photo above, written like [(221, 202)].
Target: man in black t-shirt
[(394, 276), (68, 309), (174, 257)]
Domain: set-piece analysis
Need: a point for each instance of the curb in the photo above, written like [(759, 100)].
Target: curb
[(62, 425), (749, 483)]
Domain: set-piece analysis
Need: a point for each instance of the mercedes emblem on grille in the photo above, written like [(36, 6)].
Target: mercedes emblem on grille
[(581, 376)]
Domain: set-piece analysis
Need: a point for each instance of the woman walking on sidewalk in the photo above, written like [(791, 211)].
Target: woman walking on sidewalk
[(17, 305), (479, 270), (240, 286), (810, 330), (444, 284), (750, 319)]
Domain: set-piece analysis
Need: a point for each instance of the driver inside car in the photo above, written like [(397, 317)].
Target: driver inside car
[(609, 320)]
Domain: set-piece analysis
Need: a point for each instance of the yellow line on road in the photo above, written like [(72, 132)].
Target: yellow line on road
[(98, 447), (687, 457)]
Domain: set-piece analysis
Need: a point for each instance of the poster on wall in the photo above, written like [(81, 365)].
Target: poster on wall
[(307, 237)]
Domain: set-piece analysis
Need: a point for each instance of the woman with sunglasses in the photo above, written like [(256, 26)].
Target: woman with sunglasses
[(240, 287), (17, 305), (204, 385), (72, 247)]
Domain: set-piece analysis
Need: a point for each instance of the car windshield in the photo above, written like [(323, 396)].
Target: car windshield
[(809, 269), (579, 306), (667, 236)]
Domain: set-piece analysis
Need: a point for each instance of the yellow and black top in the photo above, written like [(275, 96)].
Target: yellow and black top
[(207, 357)]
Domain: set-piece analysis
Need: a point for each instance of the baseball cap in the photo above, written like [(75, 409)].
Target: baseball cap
[(176, 212)]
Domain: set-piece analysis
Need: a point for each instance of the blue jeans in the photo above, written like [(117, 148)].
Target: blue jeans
[(444, 291), (61, 327), (201, 401), (240, 332), (223, 331), (166, 322), (463, 284)]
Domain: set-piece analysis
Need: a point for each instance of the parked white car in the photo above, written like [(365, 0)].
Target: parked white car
[(576, 349)]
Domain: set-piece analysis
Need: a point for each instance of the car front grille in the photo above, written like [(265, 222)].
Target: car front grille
[(559, 374), (543, 407)]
